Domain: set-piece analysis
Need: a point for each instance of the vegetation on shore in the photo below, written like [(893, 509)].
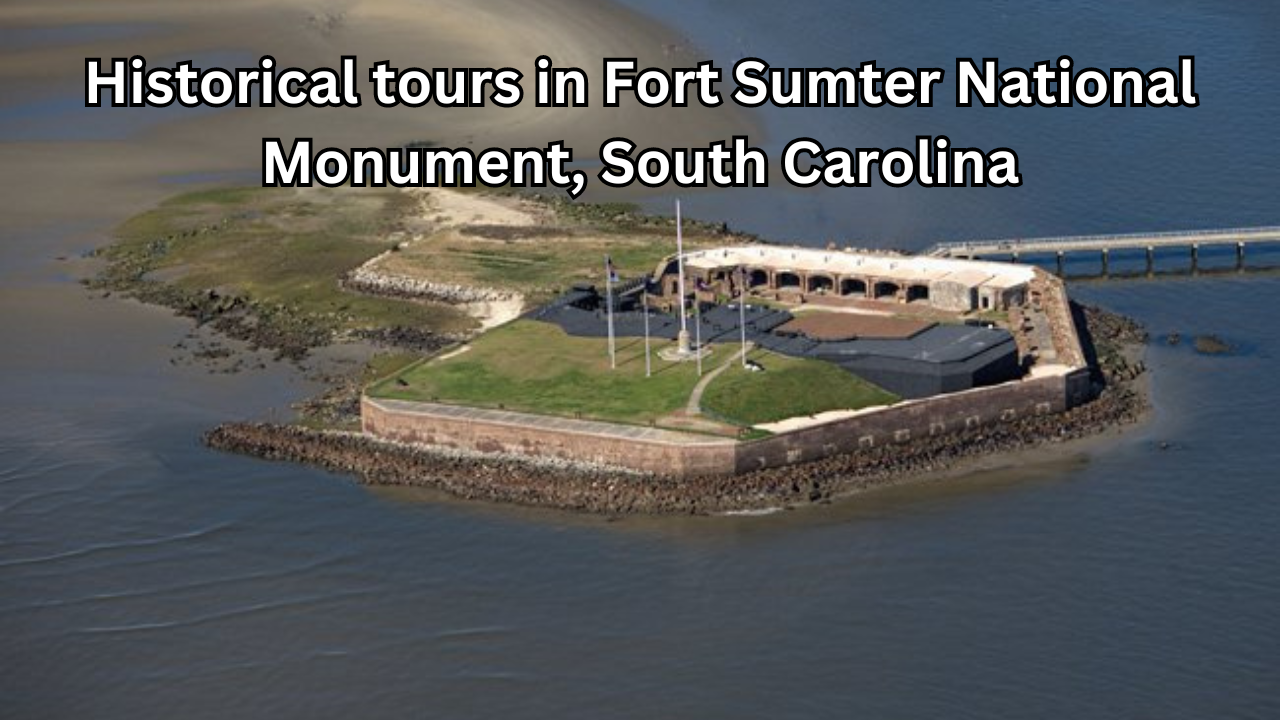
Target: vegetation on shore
[(264, 265)]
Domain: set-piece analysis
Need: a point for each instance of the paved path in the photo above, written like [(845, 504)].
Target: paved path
[(694, 406)]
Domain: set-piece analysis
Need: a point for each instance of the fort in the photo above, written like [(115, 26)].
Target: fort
[(519, 364), (940, 345)]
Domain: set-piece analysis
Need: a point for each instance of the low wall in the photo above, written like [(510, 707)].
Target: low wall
[(665, 453), (900, 423), (650, 451)]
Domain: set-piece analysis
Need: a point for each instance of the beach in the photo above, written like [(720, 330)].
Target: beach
[(126, 159)]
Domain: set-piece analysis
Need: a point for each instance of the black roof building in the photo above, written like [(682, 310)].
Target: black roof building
[(938, 359)]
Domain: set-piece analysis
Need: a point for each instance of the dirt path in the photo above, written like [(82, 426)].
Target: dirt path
[(694, 406)]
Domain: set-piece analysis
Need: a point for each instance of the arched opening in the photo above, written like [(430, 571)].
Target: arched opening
[(886, 289), (788, 281), (918, 293), (757, 278), (821, 284), (854, 287)]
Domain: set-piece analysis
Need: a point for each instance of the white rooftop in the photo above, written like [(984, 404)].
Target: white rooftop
[(897, 268)]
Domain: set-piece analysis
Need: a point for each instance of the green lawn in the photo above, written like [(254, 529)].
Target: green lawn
[(788, 387), (534, 367)]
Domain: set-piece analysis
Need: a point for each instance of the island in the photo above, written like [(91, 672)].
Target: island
[(593, 357)]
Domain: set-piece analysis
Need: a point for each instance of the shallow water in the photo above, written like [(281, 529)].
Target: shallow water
[(144, 576)]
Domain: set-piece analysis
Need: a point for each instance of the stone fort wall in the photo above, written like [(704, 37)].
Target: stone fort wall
[(901, 423), (538, 436), (534, 436)]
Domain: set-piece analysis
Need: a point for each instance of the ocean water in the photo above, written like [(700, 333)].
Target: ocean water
[(142, 575)]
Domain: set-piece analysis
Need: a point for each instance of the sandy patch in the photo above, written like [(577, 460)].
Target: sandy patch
[(798, 423), (453, 353), (847, 309), (496, 312), (118, 166), (447, 208)]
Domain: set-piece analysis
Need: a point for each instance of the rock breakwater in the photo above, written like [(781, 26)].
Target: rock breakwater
[(371, 282), (606, 490)]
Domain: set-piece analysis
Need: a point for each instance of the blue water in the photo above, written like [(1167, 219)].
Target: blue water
[(1085, 170), (144, 576)]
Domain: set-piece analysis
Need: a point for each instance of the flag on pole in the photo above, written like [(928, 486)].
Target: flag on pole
[(644, 298), (741, 310), (684, 325), (697, 329), (609, 277)]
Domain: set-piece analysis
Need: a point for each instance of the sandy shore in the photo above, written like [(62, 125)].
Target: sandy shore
[(112, 161)]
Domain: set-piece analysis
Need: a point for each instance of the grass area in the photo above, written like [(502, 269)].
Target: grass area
[(387, 364), (274, 248), (534, 367), (539, 246), (539, 266), (265, 263), (788, 387)]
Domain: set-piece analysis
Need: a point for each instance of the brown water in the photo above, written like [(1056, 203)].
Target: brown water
[(142, 575)]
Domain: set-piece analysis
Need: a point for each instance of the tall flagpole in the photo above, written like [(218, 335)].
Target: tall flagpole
[(697, 328), (742, 312), (608, 284), (684, 325), (648, 366)]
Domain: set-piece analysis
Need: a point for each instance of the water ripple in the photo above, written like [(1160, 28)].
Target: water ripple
[(123, 545), (153, 592), (243, 611)]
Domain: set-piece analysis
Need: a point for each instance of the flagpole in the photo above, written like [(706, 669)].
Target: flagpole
[(742, 312), (648, 361), (608, 284), (684, 327), (697, 328)]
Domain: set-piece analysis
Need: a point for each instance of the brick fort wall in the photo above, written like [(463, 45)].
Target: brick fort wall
[(532, 435)]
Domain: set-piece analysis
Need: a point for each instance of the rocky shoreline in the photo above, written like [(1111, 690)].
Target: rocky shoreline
[(366, 280), (1117, 343)]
